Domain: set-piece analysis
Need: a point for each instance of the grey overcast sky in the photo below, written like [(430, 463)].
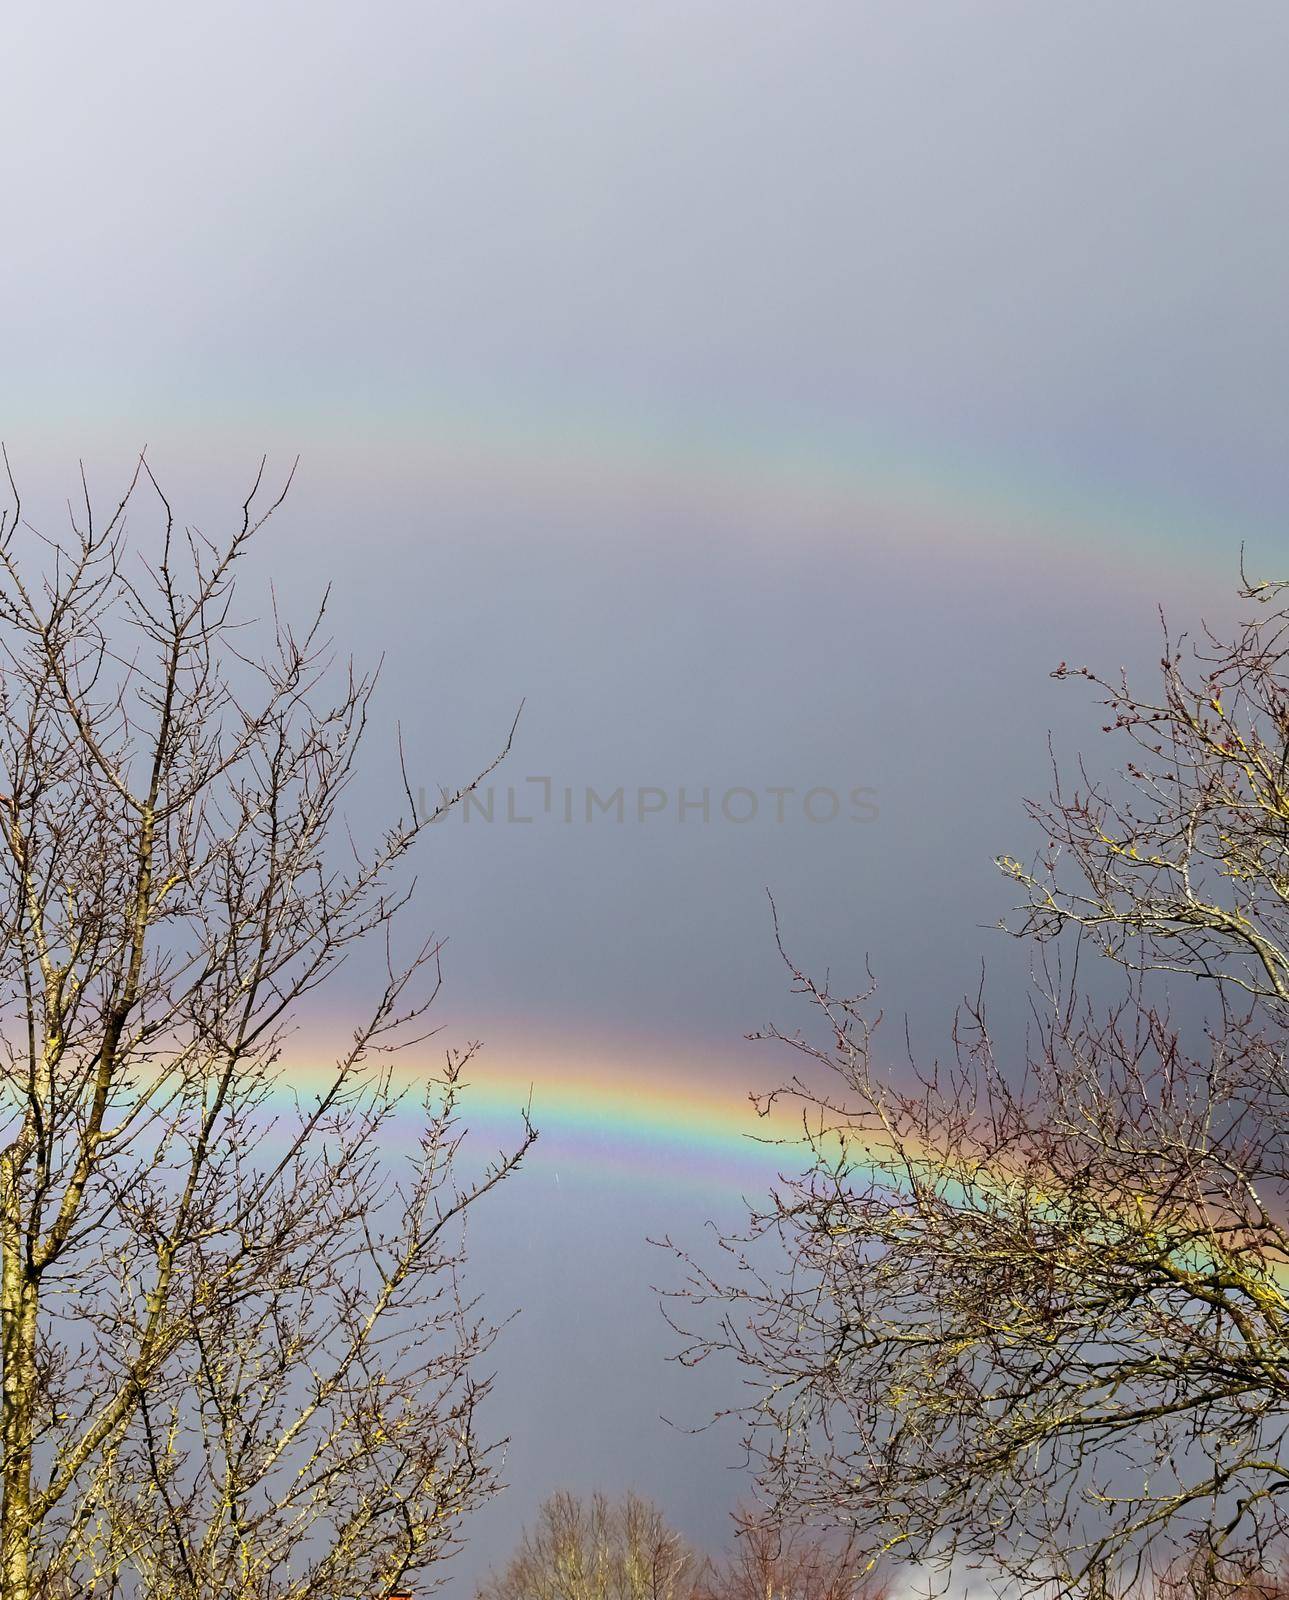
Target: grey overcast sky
[(771, 394)]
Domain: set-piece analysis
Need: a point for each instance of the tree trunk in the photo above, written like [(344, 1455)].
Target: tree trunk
[(18, 1307)]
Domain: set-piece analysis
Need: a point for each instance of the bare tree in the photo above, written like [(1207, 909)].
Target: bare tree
[(237, 1355), (1186, 868), (597, 1550), (1034, 1314), (771, 1561), (1195, 1579), (600, 1549)]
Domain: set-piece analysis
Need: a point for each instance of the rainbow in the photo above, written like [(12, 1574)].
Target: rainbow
[(859, 480), (673, 1129), (854, 486), (651, 1120), (855, 489)]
